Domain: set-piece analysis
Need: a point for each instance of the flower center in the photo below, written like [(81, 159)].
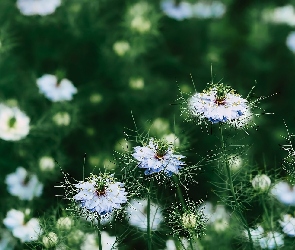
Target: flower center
[(161, 151), (26, 180), (220, 101), (12, 122), (100, 190)]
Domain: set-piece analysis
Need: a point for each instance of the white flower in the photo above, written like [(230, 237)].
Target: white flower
[(172, 139), (178, 11), (56, 90), (261, 182), (100, 194), (159, 126), (62, 118), (107, 241), (288, 225), (158, 156), (285, 14), (50, 240), (37, 7), (46, 163), (121, 47), (291, 41), (23, 185), (14, 124), (7, 242), (64, 223), (25, 230), (136, 213), (136, 83), (284, 193), (170, 245), (218, 104), (213, 9), (140, 24)]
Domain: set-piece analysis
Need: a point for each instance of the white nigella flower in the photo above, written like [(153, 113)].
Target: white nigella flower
[(108, 242), (14, 124), (213, 9), (284, 193), (100, 194), (7, 242), (285, 14), (288, 225), (46, 163), (23, 185), (56, 90), (62, 118), (21, 228), (37, 7), (291, 41), (217, 104), (178, 11), (158, 156), (50, 240), (121, 47), (261, 182), (136, 213)]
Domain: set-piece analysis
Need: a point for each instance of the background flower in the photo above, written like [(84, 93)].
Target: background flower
[(37, 7)]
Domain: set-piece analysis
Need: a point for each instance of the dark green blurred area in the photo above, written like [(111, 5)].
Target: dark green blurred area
[(78, 39)]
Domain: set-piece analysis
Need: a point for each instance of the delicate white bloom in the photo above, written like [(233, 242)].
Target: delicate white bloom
[(7, 242), (218, 216), (158, 156), (14, 124), (210, 9), (46, 163), (224, 108), (37, 7), (136, 83), (100, 194), (288, 225), (136, 213), (23, 185), (172, 139), (176, 11), (56, 90), (284, 193), (291, 41), (285, 14), (64, 223), (108, 242), (160, 126), (235, 162), (140, 24), (62, 118), (25, 230), (121, 47), (170, 245), (261, 182), (50, 240)]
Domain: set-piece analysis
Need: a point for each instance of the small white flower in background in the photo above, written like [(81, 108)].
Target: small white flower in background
[(14, 124), (291, 41), (123, 145), (158, 156), (140, 24), (7, 242), (23, 185), (121, 47), (37, 7), (159, 126), (62, 118), (64, 223), (107, 241), (213, 9), (46, 163), (288, 225), (284, 192), (136, 83), (285, 14), (136, 213), (235, 162), (176, 11), (100, 194), (75, 237), (56, 90), (219, 103), (261, 182), (172, 139), (22, 228), (50, 240)]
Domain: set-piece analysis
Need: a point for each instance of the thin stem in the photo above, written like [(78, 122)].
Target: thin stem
[(99, 234), (148, 211), (229, 182)]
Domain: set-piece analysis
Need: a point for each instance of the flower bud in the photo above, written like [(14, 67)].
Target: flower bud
[(50, 240), (46, 163), (261, 182), (189, 220), (64, 223)]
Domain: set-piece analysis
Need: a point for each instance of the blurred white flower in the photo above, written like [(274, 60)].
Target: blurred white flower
[(170, 245), (23, 185), (210, 9), (64, 223), (140, 24), (136, 213), (178, 11), (172, 139), (95, 98), (7, 242), (261, 182), (21, 228), (46, 163), (62, 118), (121, 47), (288, 225), (107, 241), (50, 240), (160, 126), (291, 41), (136, 83), (37, 7), (14, 124), (284, 192), (56, 90), (285, 14)]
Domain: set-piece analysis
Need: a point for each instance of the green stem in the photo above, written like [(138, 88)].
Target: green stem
[(99, 234), (229, 182), (149, 232)]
